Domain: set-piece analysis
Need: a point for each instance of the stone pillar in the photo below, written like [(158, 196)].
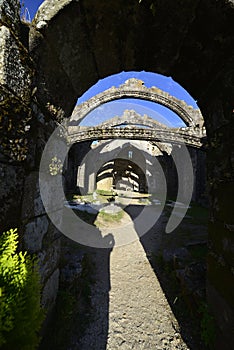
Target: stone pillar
[(220, 279), (23, 134), (92, 183), (200, 195), (181, 166), (81, 176), (15, 91)]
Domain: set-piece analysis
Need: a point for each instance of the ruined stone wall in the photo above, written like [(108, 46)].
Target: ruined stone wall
[(76, 154), (198, 158), (15, 78), (220, 170), (24, 130)]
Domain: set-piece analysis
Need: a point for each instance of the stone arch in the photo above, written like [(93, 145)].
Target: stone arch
[(193, 135), (134, 88), (130, 117), (68, 47), (121, 174), (108, 152), (75, 43), (175, 135)]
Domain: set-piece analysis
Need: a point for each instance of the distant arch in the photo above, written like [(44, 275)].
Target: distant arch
[(134, 88)]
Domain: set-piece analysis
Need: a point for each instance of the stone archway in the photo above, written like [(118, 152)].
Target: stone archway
[(121, 174), (193, 134), (73, 43), (100, 164), (68, 48)]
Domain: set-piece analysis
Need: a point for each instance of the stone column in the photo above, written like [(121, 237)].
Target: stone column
[(15, 91), (220, 279)]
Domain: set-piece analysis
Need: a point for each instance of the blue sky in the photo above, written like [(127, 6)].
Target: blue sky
[(117, 108), (31, 6), (114, 108)]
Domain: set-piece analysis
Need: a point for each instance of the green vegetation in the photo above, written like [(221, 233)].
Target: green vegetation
[(106, 193), (111, 217), (85, 198), (21, 315), (88, 198), (104, 219)]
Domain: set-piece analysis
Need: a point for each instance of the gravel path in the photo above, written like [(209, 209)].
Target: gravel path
[(129, 308), (139, 315)]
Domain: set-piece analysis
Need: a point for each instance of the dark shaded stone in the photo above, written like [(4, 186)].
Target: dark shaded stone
[(223, 315), (34, 233), (12, 180), (32, 205)]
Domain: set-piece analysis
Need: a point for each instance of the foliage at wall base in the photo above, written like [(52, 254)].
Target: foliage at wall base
[(21, 315)]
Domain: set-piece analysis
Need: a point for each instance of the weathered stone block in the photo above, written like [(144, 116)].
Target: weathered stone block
[(223, 195), (34, 233), (50, 290), (49, 260), (43, 85), (224, 316), (48, 10), (11, 179), (14, 125), (52, 192), (10, 13), (221, 236), (73, 268), (32, 203), (14, 64), (53, 233), (220, 275), (61, 53)]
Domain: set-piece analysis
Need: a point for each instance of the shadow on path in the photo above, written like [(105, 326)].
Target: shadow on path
[(181, 305), (81, 315)]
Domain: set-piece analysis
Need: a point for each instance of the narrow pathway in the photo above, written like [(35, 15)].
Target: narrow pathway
[(139, 315), (129, 308)]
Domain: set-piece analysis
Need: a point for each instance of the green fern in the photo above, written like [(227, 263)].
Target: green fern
[(21, 315)]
